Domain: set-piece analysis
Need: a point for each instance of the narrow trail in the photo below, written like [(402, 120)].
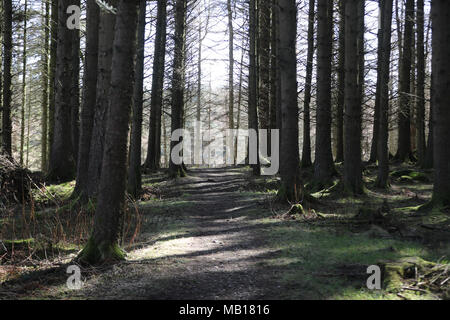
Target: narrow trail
[(216, 257)]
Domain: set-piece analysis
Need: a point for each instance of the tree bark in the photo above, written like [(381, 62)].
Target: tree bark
[(75, 88), (62, 161), (352, 115), (134, 169), (154, 141), (420, 98), (24, 84), (231, 74), (324, 166), (102, 245), (441, 108), (384, 55), (291, 185), (306, 152), (89, 98), (176, 170), (252, 82), (404, 116), (105, 47), (52, 75), (263, 71), (45, 86), (7, 60), (341, 85)]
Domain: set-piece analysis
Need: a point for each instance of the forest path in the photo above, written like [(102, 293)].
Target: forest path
[(216, 255)]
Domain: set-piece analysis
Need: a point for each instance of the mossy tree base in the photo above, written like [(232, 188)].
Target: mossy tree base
[(177, 173), (436, 203), (98, 254), (394, 273)]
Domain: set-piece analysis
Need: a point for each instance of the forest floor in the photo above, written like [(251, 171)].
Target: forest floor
[(217, 234)]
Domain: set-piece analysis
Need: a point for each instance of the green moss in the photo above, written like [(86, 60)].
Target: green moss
[(409, 175), (394, 273), (96, 254), (419, 176)]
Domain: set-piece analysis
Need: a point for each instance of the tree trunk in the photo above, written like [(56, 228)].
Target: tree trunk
[(428, 163), (134, 169), (274, 70), (102, 245), (45, 77), (89, 98), (291, 186), (75, 88), (264, 63), (7, 59), (420, 98), (252, 83), (231, 75), (385, 29), (341, 85), (105, 47), (176, 170), (154, 141), (62, 163), (52, 75), (306, 154), (24, 84), (353, 99), (441, 108), (324, 165), (404, 115), (376, 119)]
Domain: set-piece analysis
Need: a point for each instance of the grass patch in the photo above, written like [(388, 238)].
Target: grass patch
[(319, 261)]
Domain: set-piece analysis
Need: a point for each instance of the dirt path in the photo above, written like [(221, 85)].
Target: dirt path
[(216, 257)]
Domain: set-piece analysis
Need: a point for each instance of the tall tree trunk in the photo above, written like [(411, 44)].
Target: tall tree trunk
[(52, 75), (134, 169), (306, 154), (176, 170), (231, 75), (263, 71), (404, 115), (324, 165), (75, 88), (239, 103), (198, 151), (274, 67), (353, 98), (154, 141), (385, 29), (89, 98), (428, 162), (45, 74), (341, 85), (376, 118), (441, 108), (7, 58), (24, 84), (420, 98), (102, 245), (62, 162), (105, 47), (291, 186), (253, 83)]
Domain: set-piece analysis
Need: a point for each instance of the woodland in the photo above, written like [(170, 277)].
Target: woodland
[(348, 99)]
